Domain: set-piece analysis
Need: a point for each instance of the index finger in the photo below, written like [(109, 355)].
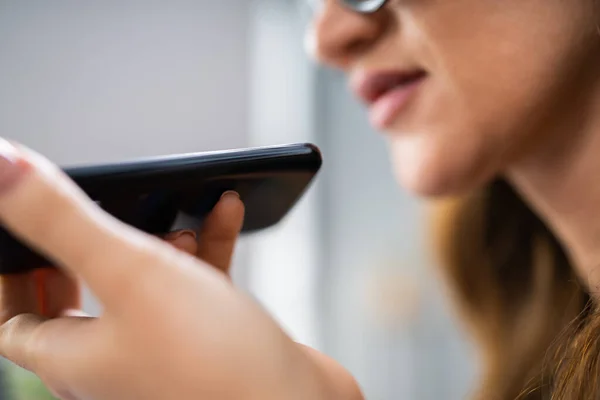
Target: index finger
[(45, 209)]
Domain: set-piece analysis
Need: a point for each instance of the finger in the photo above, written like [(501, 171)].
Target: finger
[(18, 295), (45, 209), (51, 349), (184, 240), (61, 292), (46, 292), (220, 231)]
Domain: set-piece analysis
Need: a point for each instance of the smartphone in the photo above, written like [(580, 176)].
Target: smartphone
[(158, 195)]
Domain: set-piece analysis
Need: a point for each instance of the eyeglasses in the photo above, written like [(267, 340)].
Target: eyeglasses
[(364, 6), (361, 6)]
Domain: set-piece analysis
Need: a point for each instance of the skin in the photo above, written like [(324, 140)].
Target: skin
[(512, 89), (142, 346)]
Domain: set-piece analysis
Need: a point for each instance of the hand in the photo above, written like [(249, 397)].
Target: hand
[(217, 242), (172, 326), (53, 293)]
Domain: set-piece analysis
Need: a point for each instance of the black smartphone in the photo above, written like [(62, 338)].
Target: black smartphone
[(160, 194)]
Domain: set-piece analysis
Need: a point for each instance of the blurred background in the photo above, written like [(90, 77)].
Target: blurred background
[(348, 271)]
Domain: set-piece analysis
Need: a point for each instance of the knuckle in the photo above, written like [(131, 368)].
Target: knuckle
[(221, 238), (11, 327), (20, 335), (221, 232)]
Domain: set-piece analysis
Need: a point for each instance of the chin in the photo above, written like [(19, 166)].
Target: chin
[(429, 186), (431, 172)]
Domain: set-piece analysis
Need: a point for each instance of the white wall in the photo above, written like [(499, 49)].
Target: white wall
[(283, 261), (90, 81)]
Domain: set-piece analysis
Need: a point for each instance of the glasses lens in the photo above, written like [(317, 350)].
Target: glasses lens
[(364, 6)]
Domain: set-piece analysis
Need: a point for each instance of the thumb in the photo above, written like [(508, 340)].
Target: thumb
[(52, 349)]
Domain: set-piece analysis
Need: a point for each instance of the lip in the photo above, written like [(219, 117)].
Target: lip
[(386, 93)]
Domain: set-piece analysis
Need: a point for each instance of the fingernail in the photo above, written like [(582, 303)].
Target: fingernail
[(230, 193), (75, 314), (11, 165), (177, 234)]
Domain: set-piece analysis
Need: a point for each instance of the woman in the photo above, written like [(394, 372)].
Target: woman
[(495, 102)]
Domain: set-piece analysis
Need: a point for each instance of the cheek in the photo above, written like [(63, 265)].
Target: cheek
[(487, 94), (447, 146), (456, 140)]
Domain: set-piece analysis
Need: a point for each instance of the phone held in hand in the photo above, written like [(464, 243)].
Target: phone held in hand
[(160, 194)]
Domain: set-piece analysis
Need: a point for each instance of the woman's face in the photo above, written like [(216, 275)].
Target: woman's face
[(461, 86)]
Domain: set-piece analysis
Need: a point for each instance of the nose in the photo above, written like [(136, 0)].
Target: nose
[(339, 35)]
